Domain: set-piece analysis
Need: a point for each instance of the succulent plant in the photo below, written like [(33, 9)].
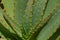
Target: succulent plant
[(29, 19)]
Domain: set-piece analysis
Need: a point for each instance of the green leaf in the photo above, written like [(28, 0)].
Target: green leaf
[(3, 22), (50, 27), (9, 7)]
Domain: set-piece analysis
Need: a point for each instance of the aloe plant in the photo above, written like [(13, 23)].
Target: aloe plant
[(29, 19)]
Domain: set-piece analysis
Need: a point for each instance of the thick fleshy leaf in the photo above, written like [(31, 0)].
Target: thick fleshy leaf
[(50, 28), (14, 25), (7, 29), (8, 7), (3, 22)]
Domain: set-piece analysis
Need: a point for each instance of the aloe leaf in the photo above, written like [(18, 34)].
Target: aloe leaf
[(20, 6), (9, 7), (37, 11), (3, 22), (15, 9), (50, 28), (5, 25), (19, 9), (14, 25), (8, 34), (38, 8), (30, 19), (52, 5)]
